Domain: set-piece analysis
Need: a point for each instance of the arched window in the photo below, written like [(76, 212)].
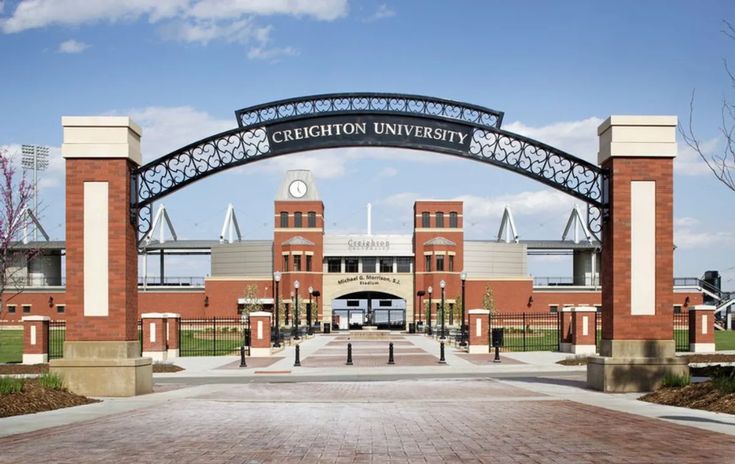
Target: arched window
[(439, 219), (284, 219)]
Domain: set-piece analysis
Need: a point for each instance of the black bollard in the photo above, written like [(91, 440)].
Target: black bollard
[(242, 357), (390, 353), (349, 354), (442, 360), (497, 354), (297, 362)]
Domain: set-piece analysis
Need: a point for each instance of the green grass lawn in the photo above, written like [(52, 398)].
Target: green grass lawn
[(11, 346), (198, 343), (725, 340)]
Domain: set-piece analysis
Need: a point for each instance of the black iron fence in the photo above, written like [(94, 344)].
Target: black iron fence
[(681, 331), (56, 337), (527, 331), (213, 337)]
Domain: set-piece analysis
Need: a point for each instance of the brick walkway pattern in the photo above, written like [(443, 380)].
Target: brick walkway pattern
[(421, 421), (370, 353)]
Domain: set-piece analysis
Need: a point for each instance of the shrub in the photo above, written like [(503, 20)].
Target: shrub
[(50, 381), (724, 383), (10, 385), (675, 380)]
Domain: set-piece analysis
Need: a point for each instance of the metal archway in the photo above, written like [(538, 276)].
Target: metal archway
[(368, 119)]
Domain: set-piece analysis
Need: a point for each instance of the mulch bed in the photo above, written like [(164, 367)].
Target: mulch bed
[(576, 361), (163, 368), (20, 369), (695, 396), (34, 398)]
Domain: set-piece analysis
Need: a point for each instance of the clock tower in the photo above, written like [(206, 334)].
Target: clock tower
[(298, 238)]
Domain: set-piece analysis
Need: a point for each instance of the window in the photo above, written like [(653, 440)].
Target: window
[(439, 262), (350, 264), (386, 265), (308, 263), (677, 309), (312, 219), (11, 309), (598, 308), (60, 309), (439, 219), (298, 220), (385, 303), (334, 265), (285, 263), (368, 264), (425, 220), (453, 220), (26, 309), (451, 263), (427, 263), (297, 263), (404, 264), (553, 308), (353, 303), (284, 219)]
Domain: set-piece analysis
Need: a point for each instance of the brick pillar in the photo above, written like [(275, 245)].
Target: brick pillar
[(637, 345), (101, 350), (155, 343), (35, 339), (479, 327), (173, 325), (584, 330), (702, 329), (565, 330), (260, 334)]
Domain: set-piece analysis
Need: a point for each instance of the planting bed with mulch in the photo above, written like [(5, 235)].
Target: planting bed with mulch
[(35, 398), (19, 369), (702, 395)]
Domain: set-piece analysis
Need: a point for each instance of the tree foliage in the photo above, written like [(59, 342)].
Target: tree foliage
[(488, 300)]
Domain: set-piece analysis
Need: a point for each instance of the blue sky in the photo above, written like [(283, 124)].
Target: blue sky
[(557, 69)]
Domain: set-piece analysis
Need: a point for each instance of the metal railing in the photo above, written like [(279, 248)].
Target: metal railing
[(562, 281), (681, 331), (527, 331), (213, 337), (56, 337), (173, 281)]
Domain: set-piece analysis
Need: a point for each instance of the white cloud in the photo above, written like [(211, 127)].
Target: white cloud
[(686, 222), (382, 12), (578, 138), (266, 53), (691, 234), (689, 163), (388, 172), (72, 46)]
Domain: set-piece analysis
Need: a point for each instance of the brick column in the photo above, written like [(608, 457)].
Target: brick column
[(565, 330), (260, 334), (173, 325), (479, 327), (702, 329), (637, 345), (101, 351), (584, 330), (35, 339), (155, 345)]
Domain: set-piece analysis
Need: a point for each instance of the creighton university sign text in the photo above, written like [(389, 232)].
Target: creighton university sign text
[(326, 132)]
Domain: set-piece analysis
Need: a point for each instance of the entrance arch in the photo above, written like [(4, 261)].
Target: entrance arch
[(372, 308), (109, 195)]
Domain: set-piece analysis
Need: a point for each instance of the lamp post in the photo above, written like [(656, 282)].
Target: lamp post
[(277, 279), (463, 277), (430, 290), (419, 294), (308, 312), (317, 294), (443, 284), (296, 321)]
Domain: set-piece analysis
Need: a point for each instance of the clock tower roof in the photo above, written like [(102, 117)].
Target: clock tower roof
[(305, 180)]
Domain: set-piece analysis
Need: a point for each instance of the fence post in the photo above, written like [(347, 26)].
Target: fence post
[(260, 334), (479, 322), (35, 339), (524, 331), (583, 339), (702, 329), (154, 336), (214, 336)]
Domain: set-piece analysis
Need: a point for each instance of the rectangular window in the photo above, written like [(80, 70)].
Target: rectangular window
[(453, 220), (26, 309), (308, 263), (404, 264), (285, 263), (427, 263), (334, 265), (353, 303), (439, 219), (386, 265), (312, 219), (60, 309), (385, 303), (451, 263), (350, 264), (298, 220), (284, 219), (439, 262), (297, 263), (11, 309), (677, 309), (368, 264), (425, 220), (598, 308), (553, 308)]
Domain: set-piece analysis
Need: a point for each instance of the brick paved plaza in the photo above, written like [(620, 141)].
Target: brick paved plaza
[(419, 421)]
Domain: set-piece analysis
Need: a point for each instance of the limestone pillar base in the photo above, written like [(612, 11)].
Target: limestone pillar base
[(259, 352), (628, 375), (104, 369), (478, 349)]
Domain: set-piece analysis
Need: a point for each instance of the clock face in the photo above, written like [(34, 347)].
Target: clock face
[(297, 189)]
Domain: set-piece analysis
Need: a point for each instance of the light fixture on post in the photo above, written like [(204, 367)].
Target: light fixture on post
[(463, 277), (277, 279), (50, 301), (296, 320), (430, 290), (443, 284), (206, 301), (530, 301)]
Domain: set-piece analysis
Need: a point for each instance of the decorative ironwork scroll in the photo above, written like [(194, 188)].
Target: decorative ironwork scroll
[(330, 121)]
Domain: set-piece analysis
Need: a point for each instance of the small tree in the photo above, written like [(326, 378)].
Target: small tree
[(16, 194), (252, 301), (314, 312), (458, 309), (488, 300)]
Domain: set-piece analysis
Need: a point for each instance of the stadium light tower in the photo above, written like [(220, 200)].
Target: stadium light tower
[(34, 158)]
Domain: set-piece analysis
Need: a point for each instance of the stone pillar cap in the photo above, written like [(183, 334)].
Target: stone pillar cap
[(260, 314), (637, 136), (171, 315), (108, 137), (478, 311), (153, 315), (702, 308), (34, 318), (583, 309)]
